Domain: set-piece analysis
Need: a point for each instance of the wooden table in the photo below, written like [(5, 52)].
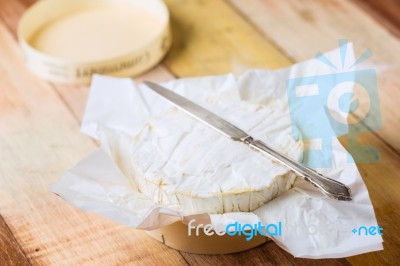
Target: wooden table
[(40, 138)]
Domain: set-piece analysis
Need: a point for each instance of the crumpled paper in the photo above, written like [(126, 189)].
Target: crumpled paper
[(314, 226)]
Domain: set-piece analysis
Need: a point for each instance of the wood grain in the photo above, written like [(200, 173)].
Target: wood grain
[(211, 38), (385, 12), (268, 254), (302, 28), (10, 251), (41, 137)]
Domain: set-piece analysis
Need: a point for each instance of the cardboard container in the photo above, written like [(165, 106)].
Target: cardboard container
[(67, 41), (177, 236)]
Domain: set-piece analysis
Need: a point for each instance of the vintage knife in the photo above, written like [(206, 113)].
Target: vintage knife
[(326, 185)]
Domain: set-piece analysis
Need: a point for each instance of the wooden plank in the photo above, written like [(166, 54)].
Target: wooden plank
[(39, 139), (10, 15), (301, 28), (10, 252), (268, 254), (192, 66), (211, 38), (385, 12), (210, 60)]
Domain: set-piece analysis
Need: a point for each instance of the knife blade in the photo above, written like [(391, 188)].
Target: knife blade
[(326, 185)]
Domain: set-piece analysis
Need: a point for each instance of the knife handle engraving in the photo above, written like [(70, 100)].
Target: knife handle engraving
[(328, 186)]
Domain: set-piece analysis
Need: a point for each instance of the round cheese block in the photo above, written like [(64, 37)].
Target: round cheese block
[(182, 163)]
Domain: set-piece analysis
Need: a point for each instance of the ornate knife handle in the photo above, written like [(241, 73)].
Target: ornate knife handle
[(326, 185)]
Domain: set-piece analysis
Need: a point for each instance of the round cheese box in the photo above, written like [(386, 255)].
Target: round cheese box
[(197, 239)]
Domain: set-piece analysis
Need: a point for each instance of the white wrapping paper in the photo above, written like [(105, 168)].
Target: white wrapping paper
[(314, 226)]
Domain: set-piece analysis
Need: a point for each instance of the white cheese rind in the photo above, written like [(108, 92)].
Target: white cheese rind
[(178, 161)]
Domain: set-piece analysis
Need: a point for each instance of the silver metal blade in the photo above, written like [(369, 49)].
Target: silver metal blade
[(198, 112)]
